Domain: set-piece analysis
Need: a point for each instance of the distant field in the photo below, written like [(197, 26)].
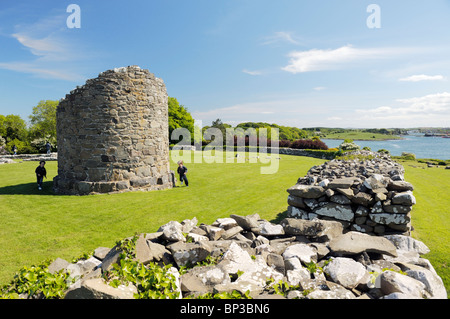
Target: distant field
[(358, 135), (38, 225)]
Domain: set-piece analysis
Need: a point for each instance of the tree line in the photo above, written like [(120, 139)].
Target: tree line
[(31, 137)]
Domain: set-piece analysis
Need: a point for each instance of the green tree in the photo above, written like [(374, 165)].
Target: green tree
[(179, 117), (13, 127), (43, 120)]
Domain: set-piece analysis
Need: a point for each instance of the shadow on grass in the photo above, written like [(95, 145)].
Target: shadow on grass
[(279, 217), (28, 189)]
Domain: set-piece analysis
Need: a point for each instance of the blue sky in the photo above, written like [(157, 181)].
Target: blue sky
[(295, 63)]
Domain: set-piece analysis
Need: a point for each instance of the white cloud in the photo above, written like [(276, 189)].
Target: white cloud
[(422, 77), (432, 108), (42, 72), (319, 88), (53, 56), (252, 72), (332, 59), (281, 36)]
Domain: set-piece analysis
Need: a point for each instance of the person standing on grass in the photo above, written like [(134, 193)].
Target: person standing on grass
[(48, 146), (182, 170), (41, 172)]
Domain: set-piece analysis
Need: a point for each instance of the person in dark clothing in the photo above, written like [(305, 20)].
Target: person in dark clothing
[(48, 146), (41, 172), (182, 170)]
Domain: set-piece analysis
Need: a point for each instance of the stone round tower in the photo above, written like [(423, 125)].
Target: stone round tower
[(113, 134)]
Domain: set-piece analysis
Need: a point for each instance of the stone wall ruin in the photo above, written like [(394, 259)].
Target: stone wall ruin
[(365, 195), (113, 134)]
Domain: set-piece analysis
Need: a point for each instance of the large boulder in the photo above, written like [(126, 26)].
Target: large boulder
[(306, 191), (391, 282), (346, 271), (352, 243), (316, 228), (98, 289)]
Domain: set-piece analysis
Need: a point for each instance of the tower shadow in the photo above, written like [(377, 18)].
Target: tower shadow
[(28, 189)]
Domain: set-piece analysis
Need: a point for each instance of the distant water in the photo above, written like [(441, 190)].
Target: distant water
[(421, 146)]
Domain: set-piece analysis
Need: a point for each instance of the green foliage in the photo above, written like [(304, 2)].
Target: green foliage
[(282, 288), (23, 147), (13, 127), (151, 280), (348, 145), (384, 151), (235, 294), (285, 132), (179, 117), (37, 282), (43, 121), (408, 156)]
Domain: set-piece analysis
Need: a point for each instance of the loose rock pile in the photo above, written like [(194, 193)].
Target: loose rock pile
[(368, 196), (315, 258)]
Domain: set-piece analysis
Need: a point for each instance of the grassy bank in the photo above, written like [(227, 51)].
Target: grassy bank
[(39, 225), (431, 214), (360, 136)]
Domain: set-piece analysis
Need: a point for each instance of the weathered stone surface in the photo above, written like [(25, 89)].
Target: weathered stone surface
[(389, 219), (246, 222), (400, 186), (57, 265), (353, 243), (341, 183), (188, 253), (101, 252), (433, 283), (303, 252), (391, 282), (375, 185), (306, 191), (253, 263), (404, 198), (341, 212), (314, 228), (345, 271), (172, 231), (98, 289), (113, 135), (408, 243)]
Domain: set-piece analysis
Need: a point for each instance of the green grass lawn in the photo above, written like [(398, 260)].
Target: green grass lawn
[(431, 214), (39, 225)]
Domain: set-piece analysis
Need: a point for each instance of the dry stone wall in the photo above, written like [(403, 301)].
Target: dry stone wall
[(369, 195), (315, 258), (113, 134)]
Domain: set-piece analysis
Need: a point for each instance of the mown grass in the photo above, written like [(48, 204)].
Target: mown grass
[(39, 225), (431, 214)]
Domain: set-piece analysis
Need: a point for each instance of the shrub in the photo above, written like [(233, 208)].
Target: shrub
[(309, 145), (384, 151), (408, 156), (348, 145)]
